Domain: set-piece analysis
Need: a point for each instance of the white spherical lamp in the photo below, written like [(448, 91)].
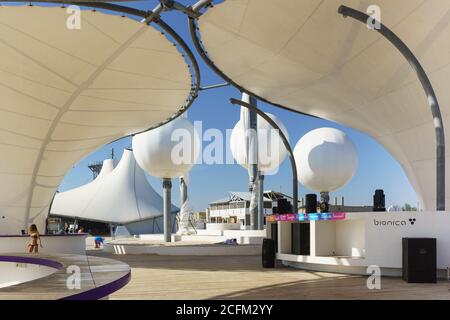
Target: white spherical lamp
[(326, 159), (271, 150), (169, 151)]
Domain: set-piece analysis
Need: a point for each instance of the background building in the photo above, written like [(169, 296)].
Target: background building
[(235, 207)]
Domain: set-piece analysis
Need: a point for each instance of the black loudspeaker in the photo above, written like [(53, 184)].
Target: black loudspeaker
[(268, 253), (419, 260), (311, 203), (300, 244), (379, 202), (274, 234), (284, 206)]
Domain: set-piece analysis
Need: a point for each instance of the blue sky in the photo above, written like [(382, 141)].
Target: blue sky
[(376, 169)]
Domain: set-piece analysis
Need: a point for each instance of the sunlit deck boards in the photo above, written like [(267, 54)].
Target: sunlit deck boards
[(242, 277)]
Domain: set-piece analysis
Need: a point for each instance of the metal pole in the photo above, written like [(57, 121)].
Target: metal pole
[(429, 92), (201, 4), (111, 232), (167, 194), (286, 145), (252, 157), (215, 86), (260, 225)]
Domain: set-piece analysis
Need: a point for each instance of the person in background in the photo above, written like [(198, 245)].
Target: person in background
[(35, 239), (98, 241), (81, 230), (231, 242)]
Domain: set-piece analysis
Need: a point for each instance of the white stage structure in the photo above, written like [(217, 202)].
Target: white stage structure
[(65, 93), (312, 60), (361, 240), (122, 197)]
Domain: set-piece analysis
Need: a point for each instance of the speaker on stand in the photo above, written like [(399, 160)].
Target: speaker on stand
[(324, 207), (379, 202), (311, 203), (284, 206), (324, 202)]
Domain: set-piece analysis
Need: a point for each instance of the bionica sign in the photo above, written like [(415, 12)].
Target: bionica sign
[(394, 223)]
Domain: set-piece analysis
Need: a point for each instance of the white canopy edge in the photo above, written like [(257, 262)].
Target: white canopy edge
[(66, 92), (305, 56)]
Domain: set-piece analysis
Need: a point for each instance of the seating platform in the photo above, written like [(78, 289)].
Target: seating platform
[(75, 277), (182, 248)]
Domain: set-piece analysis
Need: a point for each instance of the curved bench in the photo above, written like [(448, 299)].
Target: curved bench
[(98, 277)]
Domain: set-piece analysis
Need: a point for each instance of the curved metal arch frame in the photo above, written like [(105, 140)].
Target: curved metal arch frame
[(283, 137), (429, 92), (198, 44), (166, 29), (150, 16)]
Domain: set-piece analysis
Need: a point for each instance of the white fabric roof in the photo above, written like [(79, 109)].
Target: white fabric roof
[(307, 57), (121, 196), (64, 93)]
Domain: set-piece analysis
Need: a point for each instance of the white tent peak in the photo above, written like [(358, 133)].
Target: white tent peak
[(107, 168)]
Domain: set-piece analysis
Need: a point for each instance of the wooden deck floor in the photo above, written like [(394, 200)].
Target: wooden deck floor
[(241, 277)]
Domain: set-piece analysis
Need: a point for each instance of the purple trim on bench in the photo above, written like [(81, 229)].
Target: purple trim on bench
[(44, 235), (32, 260), (102, 291)]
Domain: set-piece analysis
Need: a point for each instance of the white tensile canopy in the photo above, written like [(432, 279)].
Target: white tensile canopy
[(120, 196), (305, 56), (64, 93)]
